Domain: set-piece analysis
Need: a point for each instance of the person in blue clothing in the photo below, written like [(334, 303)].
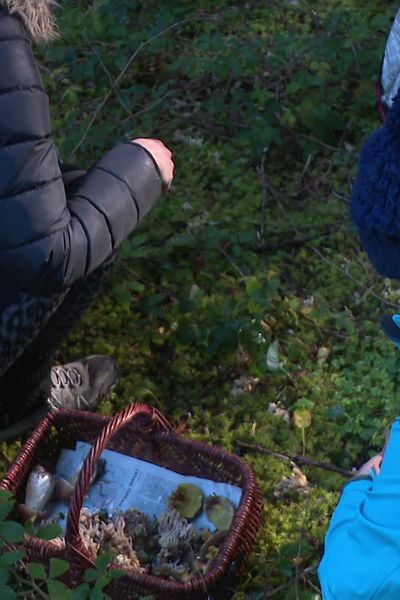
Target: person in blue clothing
[(362, 547)]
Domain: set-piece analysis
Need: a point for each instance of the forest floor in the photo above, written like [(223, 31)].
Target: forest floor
[(244, 302)]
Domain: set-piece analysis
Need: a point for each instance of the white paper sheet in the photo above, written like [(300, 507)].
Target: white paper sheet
[(128, 482)]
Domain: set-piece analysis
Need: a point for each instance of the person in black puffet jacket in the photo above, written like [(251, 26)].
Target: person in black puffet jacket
[(60, 229)]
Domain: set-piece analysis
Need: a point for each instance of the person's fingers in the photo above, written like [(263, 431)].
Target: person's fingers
[(163, 158), (373, 463), (376, 462), (168, 183)]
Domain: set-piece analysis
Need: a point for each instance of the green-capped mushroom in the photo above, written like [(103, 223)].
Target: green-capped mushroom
[(187, 500), (220, 512)]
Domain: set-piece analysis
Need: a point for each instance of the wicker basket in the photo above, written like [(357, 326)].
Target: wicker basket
[(139, 431)]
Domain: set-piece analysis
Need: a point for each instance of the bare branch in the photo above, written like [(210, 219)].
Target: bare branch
[(296, 459), (115, 84), (307, 571)]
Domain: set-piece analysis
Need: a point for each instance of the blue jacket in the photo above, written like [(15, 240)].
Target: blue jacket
[(49, 241), (362, 546)]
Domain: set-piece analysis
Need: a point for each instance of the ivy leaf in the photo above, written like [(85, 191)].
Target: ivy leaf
[(81, 592), (29, 528), (58, 590), (36, 571), (58, 567), (135, 286), (115, 574), (97, 594), (273, 363), (302, 418), (5, 575), (10, 558), (5, 495), (103, 561), (91, 575), (6, 593), (12, 532), (49, 531), (102, 581), (6, 508)]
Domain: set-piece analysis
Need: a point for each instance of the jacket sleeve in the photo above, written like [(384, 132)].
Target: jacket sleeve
[(361, 558), (46, 241), (339, 543)]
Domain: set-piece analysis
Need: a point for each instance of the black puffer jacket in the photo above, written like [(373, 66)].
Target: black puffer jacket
[(46, 241)]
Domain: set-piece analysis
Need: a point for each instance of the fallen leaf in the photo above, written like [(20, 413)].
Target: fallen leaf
[(296, 484), (323, 354), (273, 363), (302, 418)]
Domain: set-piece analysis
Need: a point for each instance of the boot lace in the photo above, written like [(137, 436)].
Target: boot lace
[(65, 380)]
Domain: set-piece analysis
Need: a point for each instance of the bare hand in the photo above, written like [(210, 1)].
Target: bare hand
[(373, 463), (162, 156)]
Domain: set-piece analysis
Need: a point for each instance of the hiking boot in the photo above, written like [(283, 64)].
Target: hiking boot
[(81, 384)]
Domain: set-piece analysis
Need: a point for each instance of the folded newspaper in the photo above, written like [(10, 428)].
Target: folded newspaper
[(127, 482)]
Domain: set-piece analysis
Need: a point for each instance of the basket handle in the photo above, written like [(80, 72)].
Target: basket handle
[(77, 552)]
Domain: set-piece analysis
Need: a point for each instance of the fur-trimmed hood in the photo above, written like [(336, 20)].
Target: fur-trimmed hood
[(37, 16)]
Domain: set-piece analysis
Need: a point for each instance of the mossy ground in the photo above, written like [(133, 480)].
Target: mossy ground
[(265, 106)]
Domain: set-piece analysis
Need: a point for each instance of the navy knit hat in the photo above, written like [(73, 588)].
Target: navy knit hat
[(375, 199)]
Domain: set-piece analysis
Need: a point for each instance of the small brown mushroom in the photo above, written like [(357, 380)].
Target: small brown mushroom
[(63, 490)]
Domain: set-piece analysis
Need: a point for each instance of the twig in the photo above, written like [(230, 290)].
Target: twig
[(300, 547), (325, 259), (306, 166), (296, 459), (100, 107), (264, 199), (353, 49), (314, 587), (147, 282), (296, 230), (364, 287), (30, 583), (296, 241), (234, 265), (338, 334), (345, 130), (284, 586), (341, 197), (106, 71), (151, 106), (311, 138)]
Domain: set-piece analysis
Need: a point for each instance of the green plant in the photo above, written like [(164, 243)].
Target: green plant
[(18, 577)]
